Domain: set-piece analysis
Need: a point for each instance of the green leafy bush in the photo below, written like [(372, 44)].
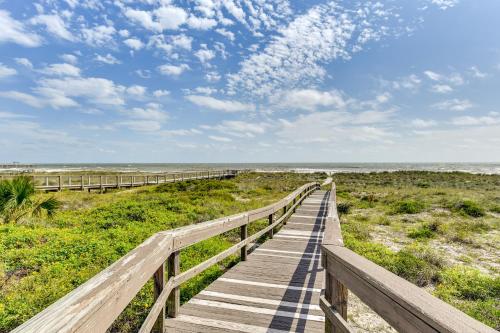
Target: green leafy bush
[(344, 208), (408, 207), (469, 208)]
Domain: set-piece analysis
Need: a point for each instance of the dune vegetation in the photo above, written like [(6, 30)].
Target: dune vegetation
[(43, 258), (437, 230)]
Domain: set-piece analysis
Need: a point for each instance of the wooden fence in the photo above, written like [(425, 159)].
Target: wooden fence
[(403, 305), (103, 182), (94, 306)]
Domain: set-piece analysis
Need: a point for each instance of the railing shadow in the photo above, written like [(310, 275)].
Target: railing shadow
[(307, 272)]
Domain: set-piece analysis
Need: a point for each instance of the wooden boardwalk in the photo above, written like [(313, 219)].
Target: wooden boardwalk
[(275, 290)]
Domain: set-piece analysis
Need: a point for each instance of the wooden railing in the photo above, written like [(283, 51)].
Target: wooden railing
[(105, 181), (403, 305), (94, 306)]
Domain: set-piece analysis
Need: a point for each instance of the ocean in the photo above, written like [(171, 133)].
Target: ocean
[(478, 168)]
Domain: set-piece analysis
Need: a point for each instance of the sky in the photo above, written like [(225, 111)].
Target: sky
[(249, 81)]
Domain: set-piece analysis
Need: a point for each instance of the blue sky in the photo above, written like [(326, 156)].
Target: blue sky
[(249, 81)]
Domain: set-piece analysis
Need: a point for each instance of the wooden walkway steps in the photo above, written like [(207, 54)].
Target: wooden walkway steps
[(277, 289)]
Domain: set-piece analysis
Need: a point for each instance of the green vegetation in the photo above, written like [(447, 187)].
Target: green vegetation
[(16, 200), (43, 259), (438, 230)]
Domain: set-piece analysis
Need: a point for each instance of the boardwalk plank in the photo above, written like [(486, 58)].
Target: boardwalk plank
[(276, 290)]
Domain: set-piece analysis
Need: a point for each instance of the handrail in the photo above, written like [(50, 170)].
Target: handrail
[(403, 305), (102, 181), (93, 306)]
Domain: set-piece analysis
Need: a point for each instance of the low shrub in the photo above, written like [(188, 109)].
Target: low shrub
[(408, 207), (344, 208), (470, 208)]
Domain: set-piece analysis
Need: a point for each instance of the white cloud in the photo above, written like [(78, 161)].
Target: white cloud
[(136, 90), (219, 138), (107, 59), (453, 79), (162, 18), (171, 43), (218, 104), (411, 82), (433, 75), (24, 62), (228, 34), (421, 123), (151, 112), (445, 4), (161, 93), (441, 88), (142, 125), (69, 58), (22, 97), (201, 23), (212, 76), (61, 70), (14, 31), (134, 43), (477, 73), (454, 105), (124, 33), (295, 58), (204, 54), (310, 99), (476, 121), (172, 70), (54, 25), (6, 71), (238, 128), (101, 35), (205, 90)]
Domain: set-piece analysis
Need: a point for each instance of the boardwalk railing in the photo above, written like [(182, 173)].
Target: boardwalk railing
[(403, 305), (106, 181), (94, 306)]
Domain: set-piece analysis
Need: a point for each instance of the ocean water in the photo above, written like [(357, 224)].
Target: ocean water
[(481, 168)]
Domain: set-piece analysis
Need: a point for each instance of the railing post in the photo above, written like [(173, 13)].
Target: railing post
[(336, 294), (82, 188), (244, 235), (101, 184), (174, 299), (47, 181), (118, 181), (159, 284), (284, 213), (60, 183), (271, 220), (157, 179)]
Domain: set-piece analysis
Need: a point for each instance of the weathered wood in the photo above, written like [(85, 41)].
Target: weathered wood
[(174, 299), (159, 284), (157, 309), (243, 236), (402, 304), (271, 220), (336, 322)]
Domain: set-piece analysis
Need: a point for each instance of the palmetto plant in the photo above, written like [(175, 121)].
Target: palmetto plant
[(17, 200)]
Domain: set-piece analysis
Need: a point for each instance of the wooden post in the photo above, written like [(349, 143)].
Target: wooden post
[(244, 235), (60, 183), (174, 177), (82, 188), (284, 213), (159, 284), (336, 294), (174, 299), (100, 184), (118, 181), (46, 181), (147, 180), (69, 181), (157, 180), (133, 181), (271, 220)]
